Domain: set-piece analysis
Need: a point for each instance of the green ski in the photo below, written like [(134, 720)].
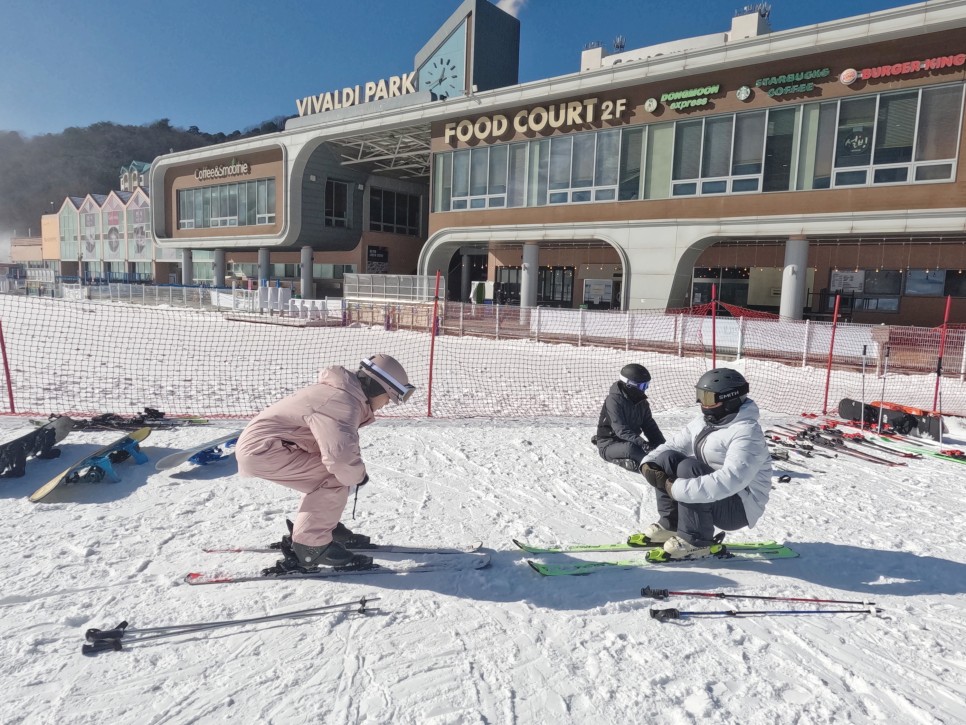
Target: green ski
[(732, 554), (634, 542)]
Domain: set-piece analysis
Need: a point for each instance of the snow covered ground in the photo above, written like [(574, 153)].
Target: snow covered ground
[(498, 645)]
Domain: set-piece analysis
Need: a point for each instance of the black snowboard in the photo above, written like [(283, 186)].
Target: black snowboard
[(898, 420), (38, 443)]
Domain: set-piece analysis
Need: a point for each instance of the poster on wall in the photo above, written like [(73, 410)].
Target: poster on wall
[(89, 235), (139, 241), (598, 291), (377, 260), (847, 282)]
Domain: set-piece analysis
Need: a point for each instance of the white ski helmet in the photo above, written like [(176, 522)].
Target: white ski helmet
[(390, 375)]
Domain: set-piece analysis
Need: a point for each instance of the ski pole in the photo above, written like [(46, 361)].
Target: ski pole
[(664, 594), (666, 615), (863, 386), (885, 372), (110, 639)]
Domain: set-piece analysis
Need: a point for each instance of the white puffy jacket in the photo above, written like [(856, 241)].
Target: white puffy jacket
[(738, 453)]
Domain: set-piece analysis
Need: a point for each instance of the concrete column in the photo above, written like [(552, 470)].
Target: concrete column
[(187, 268), (465, 279), (530, 275), (794, 278), (220, 268), (264, 261), (308, 286)]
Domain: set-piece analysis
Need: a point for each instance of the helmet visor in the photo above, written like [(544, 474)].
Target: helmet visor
[(707, 398), (640, 386), (398, 392)]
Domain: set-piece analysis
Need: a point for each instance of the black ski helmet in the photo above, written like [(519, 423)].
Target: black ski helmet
[(721, 385), (633, 381)]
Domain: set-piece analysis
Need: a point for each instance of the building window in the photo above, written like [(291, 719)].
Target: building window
[(393, 211), (336, 204), (897, 137), (248, 203)]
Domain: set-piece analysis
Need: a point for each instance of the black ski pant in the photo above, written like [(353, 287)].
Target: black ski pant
[(620, 451), (695, 522)]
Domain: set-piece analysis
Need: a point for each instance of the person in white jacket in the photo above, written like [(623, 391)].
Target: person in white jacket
[(716, 472)]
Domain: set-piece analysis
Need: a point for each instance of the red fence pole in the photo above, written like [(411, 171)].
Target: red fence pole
[(714, 326), (432, 348), (6, 369), (942, 349), (831, 348)]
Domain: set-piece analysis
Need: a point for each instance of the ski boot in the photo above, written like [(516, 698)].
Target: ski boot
[(306, 559), (350, 540), (653, 534)]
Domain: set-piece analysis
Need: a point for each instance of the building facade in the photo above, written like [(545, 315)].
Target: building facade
[(780, 168)]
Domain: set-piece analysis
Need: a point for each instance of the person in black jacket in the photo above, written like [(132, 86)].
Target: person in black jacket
[(626, 431)]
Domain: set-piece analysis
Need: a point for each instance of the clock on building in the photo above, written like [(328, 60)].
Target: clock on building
[(444, 74)]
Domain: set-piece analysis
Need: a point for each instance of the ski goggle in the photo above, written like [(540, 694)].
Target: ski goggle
[(397, 391), (707, 398), (640, 386)]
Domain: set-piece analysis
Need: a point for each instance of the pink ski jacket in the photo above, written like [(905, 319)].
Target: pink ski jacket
[(323, 419)]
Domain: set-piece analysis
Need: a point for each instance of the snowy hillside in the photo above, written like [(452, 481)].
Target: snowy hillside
[(498, 645)]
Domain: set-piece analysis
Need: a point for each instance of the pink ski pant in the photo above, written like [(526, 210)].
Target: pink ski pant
[(324, 498)]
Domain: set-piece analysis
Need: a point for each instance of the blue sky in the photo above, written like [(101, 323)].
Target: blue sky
[(223, 65)]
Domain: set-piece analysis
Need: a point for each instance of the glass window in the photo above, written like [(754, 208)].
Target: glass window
[(749, 143), (336, 203), (882, 282), (375, 209), (895, 128), (816, 148), (461, 173), (631, 161), (608, 150), (538, 168), (496, 180), (939, 115), (687, 149), (657, 172), (925, 282), (517, 191), (779, 149), (853, 144), (560, 157), (479, 162), (582, 171), (716, 153), (955, 283)]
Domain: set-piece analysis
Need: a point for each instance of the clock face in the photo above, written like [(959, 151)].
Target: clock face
[(442, 77), (443, 74)]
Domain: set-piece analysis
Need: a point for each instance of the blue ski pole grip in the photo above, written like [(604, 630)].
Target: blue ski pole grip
[(101, 645), (96, 635)]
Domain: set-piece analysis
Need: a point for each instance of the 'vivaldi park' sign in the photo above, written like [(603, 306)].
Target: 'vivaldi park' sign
[(352, 95)]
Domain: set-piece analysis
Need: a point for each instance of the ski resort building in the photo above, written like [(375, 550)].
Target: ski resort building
[(781, 167)]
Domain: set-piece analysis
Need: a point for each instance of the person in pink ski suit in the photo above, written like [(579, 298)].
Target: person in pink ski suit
[(309, 441)]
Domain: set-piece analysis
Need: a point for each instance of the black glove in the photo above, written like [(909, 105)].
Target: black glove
[(656, 476)]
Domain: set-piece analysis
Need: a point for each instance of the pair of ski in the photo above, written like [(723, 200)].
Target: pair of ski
[(653, 555), (470, 557), (443, 559)]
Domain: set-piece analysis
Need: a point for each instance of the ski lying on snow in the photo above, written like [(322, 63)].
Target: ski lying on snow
[(629, 546), (731, 555), (372, 550), (477, 561)]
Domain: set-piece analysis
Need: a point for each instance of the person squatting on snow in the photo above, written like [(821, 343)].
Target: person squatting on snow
[(715, 472), (627, 431), (309, 441)]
